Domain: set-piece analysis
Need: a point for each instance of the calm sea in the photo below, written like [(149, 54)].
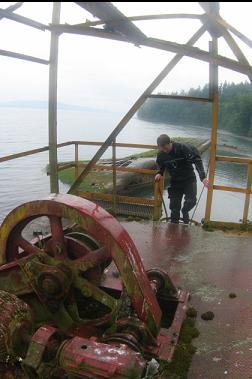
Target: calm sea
[(24, 179)]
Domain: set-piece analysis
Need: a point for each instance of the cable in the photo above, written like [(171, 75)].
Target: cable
[(196, 206), (163, 202)]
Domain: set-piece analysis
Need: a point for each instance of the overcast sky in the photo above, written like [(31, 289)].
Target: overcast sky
[(109, 74)]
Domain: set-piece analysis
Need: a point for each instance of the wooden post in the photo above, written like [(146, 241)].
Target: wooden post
[(158, 193), (247, 198), (155, 209), (76, 159), (114, 174), (213, 93), (52, 110)]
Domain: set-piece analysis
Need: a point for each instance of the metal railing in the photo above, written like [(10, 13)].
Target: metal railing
[(154, 204), (113, 199), (247, 191)]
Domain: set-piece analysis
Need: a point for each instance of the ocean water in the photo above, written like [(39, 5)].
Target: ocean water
[(25, 178)]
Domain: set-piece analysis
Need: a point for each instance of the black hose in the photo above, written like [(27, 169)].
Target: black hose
[(196, 206), (163, 202)]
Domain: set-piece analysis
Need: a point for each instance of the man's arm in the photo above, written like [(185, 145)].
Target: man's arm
[(193, 155), (199, 165), (161, 166)]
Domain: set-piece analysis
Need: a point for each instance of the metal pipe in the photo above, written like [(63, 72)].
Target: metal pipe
[(213, 76), (52, 111), (5, 13), (76, 158), (114, 174), (155, 43), (24, 57), (247, 198), (178, 97), (12, 8), (150, 17)]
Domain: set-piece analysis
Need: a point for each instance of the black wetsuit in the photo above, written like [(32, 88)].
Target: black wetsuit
[(179, 164)]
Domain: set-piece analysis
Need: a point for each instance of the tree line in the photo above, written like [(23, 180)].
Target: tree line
[(235, 108)]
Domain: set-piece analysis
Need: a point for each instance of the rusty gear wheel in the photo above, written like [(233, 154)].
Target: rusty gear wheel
[(84, 253)]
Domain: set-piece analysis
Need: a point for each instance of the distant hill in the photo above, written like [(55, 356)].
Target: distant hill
[(235, 113), (44, 105)]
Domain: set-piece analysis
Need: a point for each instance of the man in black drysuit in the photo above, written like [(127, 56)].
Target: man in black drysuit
[(178, 160)]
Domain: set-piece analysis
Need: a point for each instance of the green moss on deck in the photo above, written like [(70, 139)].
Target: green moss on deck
[(179, 367), (95, 182), (227, 226)]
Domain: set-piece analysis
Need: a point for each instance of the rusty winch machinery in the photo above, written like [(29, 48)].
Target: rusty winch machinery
[(60, 317)]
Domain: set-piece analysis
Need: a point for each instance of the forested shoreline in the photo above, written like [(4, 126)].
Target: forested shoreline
[(235, 108)]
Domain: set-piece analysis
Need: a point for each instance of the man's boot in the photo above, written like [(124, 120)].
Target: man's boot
[(186, 218), (175, 214)]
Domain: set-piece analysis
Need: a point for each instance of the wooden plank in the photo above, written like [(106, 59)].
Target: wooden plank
[(232, 189), (5, 13), (157, 211), (178, 97), (63, 167), (119, 198), (136, 145), (247, 198), (223, 158), (31, 152), (118, 144), (235, 48), (11, 54), (52, 106), (183, 49), (114, 168), (132, 111), (165, 16), (63, 144), (236, 32), (23, 154), (213, 85), (76, 159), (12, 8), (92, 32), (109, 14), (199, 54)]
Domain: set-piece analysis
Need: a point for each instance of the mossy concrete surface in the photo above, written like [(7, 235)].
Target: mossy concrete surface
[(210, 266), (178, 368), (229, 227)]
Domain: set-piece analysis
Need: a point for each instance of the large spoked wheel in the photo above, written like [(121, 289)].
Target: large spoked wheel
[(96, 239), (63, 231)]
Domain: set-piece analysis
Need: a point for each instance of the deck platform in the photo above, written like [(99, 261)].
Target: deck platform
[(211, 265)]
